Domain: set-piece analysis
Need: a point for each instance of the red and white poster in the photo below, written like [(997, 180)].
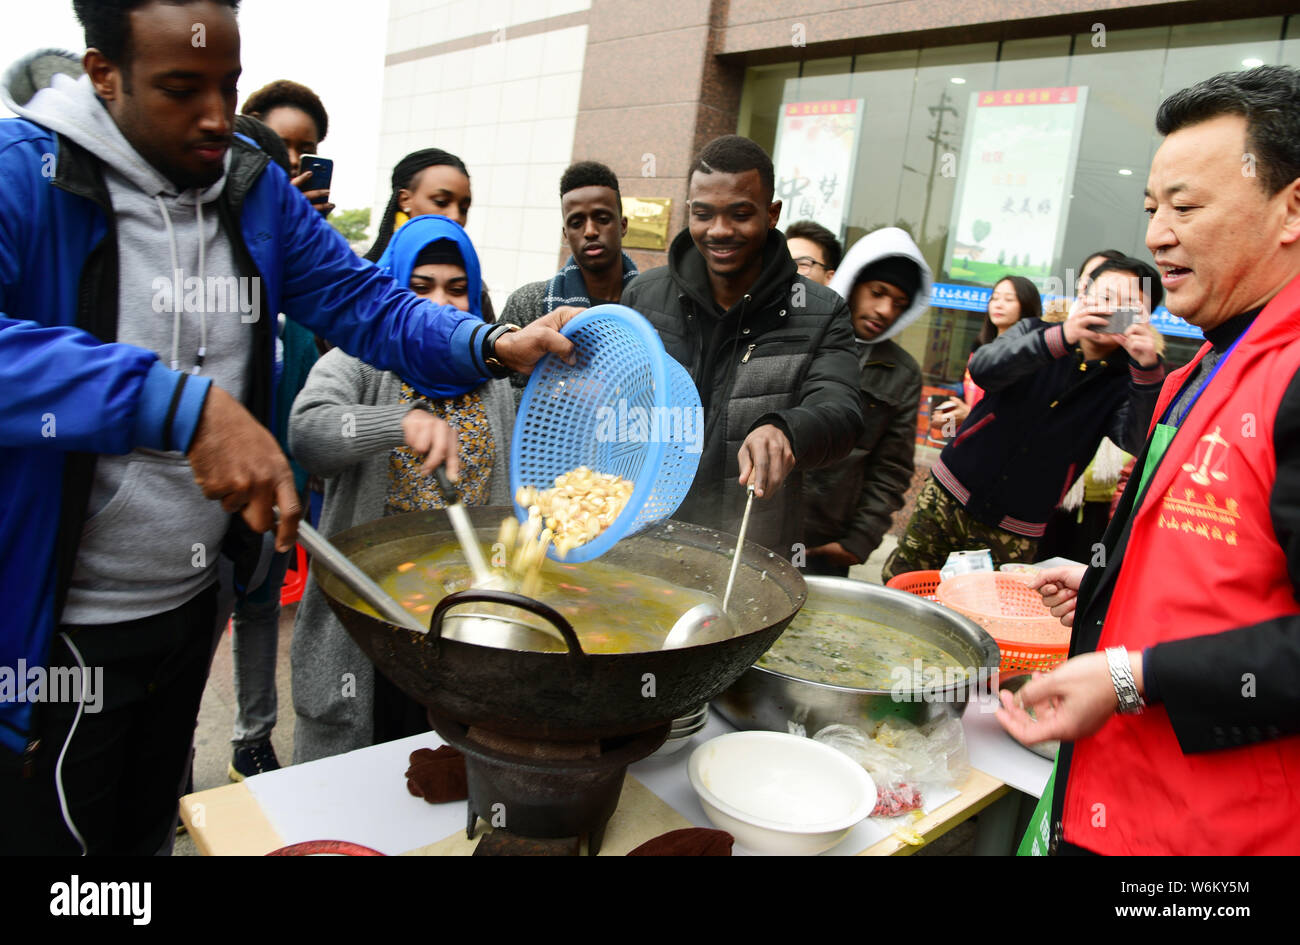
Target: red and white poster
[(816, 143)]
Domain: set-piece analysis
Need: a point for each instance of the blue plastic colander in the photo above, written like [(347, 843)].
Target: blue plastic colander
[(626, 408)]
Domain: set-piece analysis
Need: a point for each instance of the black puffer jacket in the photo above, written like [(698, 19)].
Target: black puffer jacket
[(854, 501), (783, 355)]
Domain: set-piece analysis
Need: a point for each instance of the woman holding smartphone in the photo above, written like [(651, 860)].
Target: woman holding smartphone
[(1052, 392), (295, 113), (434, 182), (1013, 298)]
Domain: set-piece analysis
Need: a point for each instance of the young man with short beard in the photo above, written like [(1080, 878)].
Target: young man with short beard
[(125, 450), (597, 269), (770, 351)]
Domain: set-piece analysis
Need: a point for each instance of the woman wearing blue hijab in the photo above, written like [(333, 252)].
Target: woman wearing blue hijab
[(371, 436)]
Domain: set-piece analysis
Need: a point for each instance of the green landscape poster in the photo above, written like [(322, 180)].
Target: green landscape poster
[(1021, 146)]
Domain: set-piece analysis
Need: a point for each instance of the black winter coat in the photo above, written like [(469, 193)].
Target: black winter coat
[(854, 501), (1039, 424), (782, 355)]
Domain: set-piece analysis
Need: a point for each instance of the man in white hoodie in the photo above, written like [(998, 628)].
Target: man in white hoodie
[(850, 505)]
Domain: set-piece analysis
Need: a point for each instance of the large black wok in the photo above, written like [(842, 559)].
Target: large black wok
[(571, 695)]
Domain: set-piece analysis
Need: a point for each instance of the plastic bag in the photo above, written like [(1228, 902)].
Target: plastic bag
[(966, 562), (905, 761)]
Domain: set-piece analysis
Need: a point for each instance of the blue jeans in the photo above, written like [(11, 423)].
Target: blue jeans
[(253, 648)]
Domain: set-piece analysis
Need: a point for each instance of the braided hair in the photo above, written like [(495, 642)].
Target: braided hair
[(404, 175)]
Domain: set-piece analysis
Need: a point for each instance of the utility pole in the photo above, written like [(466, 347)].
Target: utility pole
[(938, 140)]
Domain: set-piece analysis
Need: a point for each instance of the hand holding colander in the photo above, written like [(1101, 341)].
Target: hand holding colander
[(624, 407)]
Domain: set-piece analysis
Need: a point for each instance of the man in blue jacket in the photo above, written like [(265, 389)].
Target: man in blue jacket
[(144, 254)]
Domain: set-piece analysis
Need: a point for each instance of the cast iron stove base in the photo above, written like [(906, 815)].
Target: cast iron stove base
[(546, 789)]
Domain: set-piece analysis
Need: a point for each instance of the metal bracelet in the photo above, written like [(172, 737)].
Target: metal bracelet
[(1121, 677)]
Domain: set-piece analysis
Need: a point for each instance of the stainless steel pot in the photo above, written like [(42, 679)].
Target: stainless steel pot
[(763, 699)]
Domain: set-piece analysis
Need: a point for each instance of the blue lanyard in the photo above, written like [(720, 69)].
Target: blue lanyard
[(1178, 421)]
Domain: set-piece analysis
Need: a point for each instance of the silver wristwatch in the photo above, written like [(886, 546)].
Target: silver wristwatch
[(1121, 676)]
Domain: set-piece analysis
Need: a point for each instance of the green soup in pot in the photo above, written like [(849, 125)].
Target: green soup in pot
[(842, 650)]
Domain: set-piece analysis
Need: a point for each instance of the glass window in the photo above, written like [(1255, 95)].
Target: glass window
[(823, 78), (1289, 54), (1200, 50), (936, 125), (760, 105), (916, 105), (1123, 78), (1025, 63), (884, 82), (941, 340)]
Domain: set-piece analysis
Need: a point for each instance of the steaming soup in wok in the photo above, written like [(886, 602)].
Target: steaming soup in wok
[(841, 650), (612, 610)]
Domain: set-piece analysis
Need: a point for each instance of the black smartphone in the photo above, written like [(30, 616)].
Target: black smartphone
[(937, 420), (322, 171), (1121, 318), (938, 400)]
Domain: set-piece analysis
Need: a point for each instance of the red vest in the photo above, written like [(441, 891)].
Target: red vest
[(1202, 558)]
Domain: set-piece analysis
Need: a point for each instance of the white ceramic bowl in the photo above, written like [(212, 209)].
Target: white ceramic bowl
[(778, 793), (692, 720), (674, 744)]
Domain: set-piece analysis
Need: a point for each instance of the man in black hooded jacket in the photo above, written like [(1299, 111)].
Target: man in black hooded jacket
[(770, 351)]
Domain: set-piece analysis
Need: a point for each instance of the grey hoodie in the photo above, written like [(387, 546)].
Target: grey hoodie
[(151, 539)]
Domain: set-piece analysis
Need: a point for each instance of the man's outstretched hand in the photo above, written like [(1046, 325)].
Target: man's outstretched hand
[(521, 350), (235, 459), (1071, 702)]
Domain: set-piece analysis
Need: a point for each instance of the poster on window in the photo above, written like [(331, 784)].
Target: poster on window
[(1013, 189), (815, 146)]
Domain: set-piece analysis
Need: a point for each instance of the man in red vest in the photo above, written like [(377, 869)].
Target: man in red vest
[(1179, 710)]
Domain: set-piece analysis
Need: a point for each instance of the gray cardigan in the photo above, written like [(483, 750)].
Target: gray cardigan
[(333, 681)]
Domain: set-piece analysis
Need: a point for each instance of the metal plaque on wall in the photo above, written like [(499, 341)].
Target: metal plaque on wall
[(647, 222)]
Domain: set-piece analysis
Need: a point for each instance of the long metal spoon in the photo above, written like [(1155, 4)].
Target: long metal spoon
[(481, 628), (357, 580), (465, 534), (740, 544)]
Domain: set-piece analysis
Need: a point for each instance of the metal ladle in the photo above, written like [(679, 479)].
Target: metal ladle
[(704, 623), (707, 622), (508, 628), (455, 509), (740, 543), (485, 629)]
